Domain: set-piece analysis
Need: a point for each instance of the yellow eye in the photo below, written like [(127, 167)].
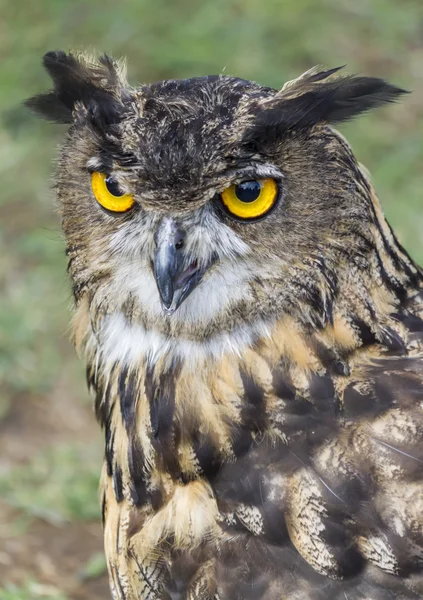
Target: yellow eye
[(108, 194), (250, 200)]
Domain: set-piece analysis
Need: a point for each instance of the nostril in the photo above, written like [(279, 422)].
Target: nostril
[(169, 234), (179, 239)]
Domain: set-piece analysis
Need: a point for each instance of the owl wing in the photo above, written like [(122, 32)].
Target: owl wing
[(336, 511)]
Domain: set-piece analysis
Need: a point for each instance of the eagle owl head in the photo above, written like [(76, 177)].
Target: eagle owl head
[(198, 211)]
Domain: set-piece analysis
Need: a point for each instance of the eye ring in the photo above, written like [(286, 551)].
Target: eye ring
[(108, 194), (250, 200)]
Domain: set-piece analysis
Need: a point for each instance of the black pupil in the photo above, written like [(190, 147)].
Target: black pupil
[(113, 186), (248, 191)]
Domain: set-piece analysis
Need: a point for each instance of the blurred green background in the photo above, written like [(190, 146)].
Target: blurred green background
[(50, 447)]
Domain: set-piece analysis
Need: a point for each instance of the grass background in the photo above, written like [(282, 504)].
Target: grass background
[(50, 448)]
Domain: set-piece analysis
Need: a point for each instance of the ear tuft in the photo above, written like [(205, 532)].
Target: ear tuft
[(97, 85), (317, 97), (317, 73), (49, 107)]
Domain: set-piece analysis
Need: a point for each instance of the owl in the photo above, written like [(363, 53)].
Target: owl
[(253, 335)]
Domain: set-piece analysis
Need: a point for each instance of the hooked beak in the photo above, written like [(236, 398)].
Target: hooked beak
[(174, 278)]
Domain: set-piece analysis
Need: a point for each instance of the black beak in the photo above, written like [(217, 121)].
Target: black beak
[(174, 277)]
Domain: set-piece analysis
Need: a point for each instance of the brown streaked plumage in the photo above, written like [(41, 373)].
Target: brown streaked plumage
[(263, 403)]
